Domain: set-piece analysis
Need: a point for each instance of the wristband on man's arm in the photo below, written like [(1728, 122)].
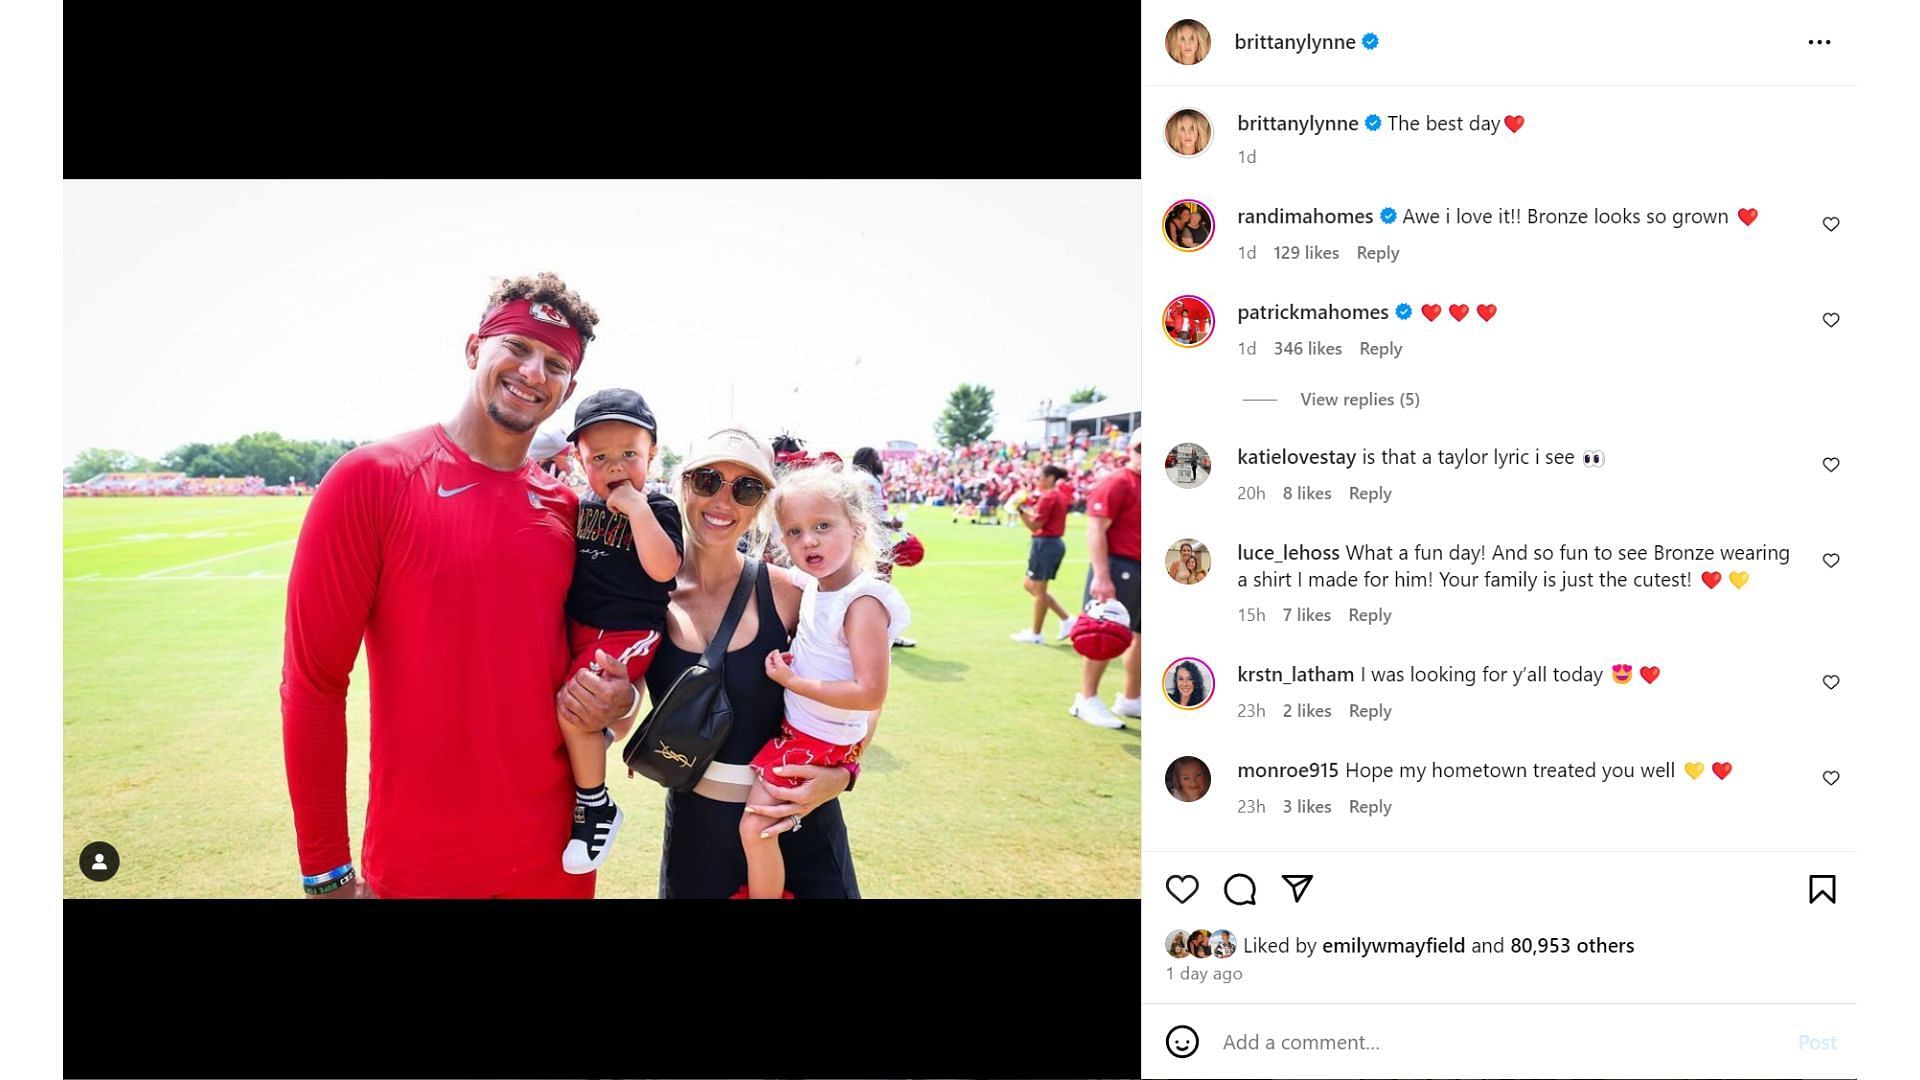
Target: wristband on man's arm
[(853, 772), (320, 884)]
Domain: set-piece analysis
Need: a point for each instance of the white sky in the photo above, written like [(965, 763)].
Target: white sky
[(843, 311)]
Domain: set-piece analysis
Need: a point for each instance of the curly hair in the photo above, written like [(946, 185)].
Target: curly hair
[(835, 482), (546, 287)]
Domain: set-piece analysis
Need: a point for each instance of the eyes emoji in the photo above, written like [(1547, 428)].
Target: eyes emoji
[(1594, 459), (1623, 673)]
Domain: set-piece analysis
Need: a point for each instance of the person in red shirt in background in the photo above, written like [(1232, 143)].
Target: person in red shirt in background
[(1113, 555), (1046, 515), (450, 554)]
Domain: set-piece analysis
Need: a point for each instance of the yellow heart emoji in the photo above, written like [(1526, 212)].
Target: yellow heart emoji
[(1739, 578), (1695, 768)]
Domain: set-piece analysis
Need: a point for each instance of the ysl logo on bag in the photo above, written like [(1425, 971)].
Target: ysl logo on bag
[(667, 752)]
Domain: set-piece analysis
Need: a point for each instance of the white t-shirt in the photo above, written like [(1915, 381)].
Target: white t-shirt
[(820, 652)]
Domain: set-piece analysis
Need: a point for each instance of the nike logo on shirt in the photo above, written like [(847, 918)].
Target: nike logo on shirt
[(445, 494)]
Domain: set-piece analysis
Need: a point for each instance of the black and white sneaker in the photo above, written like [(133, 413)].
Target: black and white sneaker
[(594, 828)]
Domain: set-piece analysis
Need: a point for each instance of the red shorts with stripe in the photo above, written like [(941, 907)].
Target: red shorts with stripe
[(792, 747), (635, 648)]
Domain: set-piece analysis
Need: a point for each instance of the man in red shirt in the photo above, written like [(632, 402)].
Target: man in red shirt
[(450, 555), (1046, 515), (1113, 555)]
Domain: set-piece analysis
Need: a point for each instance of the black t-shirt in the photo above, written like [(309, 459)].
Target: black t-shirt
[(611, 590)]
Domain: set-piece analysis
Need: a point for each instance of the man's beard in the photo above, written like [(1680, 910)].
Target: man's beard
[(518, 427)]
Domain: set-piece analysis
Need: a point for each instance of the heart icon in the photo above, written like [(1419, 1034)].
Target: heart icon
[(1831, 680), (1722, 768), (1831, 318), (1710, 578), (1514, 122), (1831, 776), (1182, 886), (1747, 216), (1431, 311), (1649, 673), (1458, 311), (1831, 463), (1487, 311), (1832, 560), (1695, 768), (1739, 578), (1831, 223)]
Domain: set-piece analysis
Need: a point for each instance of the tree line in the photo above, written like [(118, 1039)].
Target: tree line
[(266, 454)]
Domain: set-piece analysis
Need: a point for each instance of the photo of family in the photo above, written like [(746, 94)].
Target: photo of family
[(476, 571)]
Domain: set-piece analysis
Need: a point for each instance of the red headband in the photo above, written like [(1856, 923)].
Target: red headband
[(541, 322)]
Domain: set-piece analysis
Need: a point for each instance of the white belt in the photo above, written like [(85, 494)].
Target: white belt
[(724, 782)]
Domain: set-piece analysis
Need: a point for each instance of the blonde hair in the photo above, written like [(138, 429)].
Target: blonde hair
[(1203, 40), (1199, 121), (835, 482)]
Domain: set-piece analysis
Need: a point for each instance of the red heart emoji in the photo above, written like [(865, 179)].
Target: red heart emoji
[(1431, 311), (1487, 312), (1722, 768), (1747, 216), (1649, 673), (1458, 311), (1710, 578), (1514, 122)]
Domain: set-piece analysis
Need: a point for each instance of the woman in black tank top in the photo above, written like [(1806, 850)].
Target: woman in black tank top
[(701, 855)]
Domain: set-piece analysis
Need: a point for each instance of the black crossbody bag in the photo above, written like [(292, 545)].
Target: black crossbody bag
[(683, 732)]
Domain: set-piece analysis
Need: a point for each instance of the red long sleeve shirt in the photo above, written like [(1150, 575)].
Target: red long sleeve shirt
[(456, 575)]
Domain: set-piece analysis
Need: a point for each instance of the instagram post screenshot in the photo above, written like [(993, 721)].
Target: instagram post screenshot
[(700, 611)]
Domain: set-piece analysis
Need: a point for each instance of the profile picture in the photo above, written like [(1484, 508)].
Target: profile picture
[(1189, 562), (1188, 779), (1187, 225), (1189, 132), (1188, 321), (1200, 944), (1177, 944), (1188, 42), (1189, 465), (1223, 944), (1188, 682)]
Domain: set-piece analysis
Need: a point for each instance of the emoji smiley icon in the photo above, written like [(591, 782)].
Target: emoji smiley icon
[(1182, 1041), (1622, 674)]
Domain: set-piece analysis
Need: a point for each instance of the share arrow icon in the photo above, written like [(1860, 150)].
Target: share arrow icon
[(1298, 883)]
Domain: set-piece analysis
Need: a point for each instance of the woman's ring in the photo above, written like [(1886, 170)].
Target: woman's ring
[(795, 820)]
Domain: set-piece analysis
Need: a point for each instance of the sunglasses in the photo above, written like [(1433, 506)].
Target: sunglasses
[(707, 482)]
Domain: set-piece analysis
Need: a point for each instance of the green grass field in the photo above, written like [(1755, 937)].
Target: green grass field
[(978, 785)]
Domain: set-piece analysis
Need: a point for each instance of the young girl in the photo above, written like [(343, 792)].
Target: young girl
[(836, 679)]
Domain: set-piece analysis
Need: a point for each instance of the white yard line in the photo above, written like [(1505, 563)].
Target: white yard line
[(150, 575)]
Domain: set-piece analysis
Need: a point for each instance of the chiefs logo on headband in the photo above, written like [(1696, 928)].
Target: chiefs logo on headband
[(547, 313)]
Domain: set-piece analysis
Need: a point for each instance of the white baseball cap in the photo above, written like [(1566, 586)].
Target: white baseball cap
[(735, 445)]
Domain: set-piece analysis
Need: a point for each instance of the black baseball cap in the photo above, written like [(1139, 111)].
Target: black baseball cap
[(612, 404)]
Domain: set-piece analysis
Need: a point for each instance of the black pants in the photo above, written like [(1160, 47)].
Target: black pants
[(701, 857)]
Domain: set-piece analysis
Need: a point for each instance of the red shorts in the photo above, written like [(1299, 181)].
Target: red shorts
[(792, 747), (635, 648)]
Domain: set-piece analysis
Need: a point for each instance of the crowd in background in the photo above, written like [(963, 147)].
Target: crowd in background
[(179, 484), (983, 477)]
